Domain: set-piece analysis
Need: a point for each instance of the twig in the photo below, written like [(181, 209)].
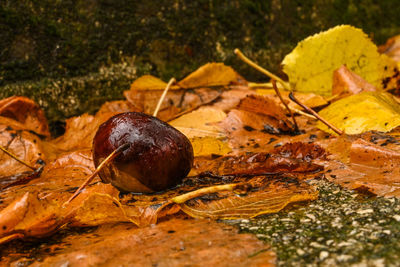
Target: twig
[(203, 191), (16, 158), (260, 69), (284, 103), (336, 130), (171, 81), (110, 157)]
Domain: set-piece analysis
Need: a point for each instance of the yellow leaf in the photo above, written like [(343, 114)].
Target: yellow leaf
[(149, 82), (211, 74), (205, 146), (311, 64), (200, 123), (363, 112)]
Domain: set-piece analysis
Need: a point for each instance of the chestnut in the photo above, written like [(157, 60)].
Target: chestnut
[(158, 156)]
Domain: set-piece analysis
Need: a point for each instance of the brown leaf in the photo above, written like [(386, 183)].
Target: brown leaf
[(116, 107), (177, 242), (31, 217), (23, 144), (59, 178), (79, 131), (27, 112), (212, 74), (291, 158), (175, 102), (146, 91), (255, 122), (391, 48), (347, 82), (270, 196), (366, 166)]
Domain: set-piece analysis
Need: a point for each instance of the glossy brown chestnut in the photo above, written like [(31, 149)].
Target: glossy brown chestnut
[(159, 156)]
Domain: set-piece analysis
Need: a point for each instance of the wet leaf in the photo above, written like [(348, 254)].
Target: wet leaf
[(23, 144), (207, 146), (249, 164), (363, 112), (149, 82), (170, 243), (270, 197), (79, 131), (391, 48), (26, 112), (309, 99), (211, 74), (115, 107), (200, 123), (255, 123), (311, 64), (347, 82), (30, 216)]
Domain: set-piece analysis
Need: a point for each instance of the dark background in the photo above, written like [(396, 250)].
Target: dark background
[(71, 56)]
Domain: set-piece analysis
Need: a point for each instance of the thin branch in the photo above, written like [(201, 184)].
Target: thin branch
[(203, 191), (107, 160), (284, 103), (17, 159), (260, 69), (171, 82), (336, 130)]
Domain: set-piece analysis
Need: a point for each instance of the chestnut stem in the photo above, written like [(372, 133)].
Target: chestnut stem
[(171, 82), (203, 191), (260, 69), (284, 103), (294, 99), (16, 158), (107, 160)]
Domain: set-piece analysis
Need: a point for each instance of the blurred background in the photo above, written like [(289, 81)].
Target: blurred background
[(72, 56)]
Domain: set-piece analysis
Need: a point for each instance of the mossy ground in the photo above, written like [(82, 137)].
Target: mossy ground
[(341, 228)]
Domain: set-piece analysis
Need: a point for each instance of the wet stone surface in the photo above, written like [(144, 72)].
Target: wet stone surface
[(341, 228)]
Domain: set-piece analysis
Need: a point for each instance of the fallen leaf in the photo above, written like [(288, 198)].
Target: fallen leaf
[(362, 112), (116, 107), (309, 99), (311, 64), (256, 123), (391, 48), (200, 123), (269, 197), (347, 82), (23, 144), (146, 91), (79, 131), (176, 242), (31, 217), (291, 158), (149, 82), (207, 146), (27, 112), (211, 74)]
